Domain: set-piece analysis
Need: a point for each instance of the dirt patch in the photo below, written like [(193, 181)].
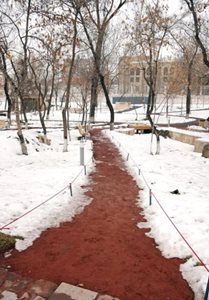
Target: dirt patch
[(102, 248)]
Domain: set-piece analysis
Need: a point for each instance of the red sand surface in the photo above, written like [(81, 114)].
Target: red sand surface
[(102, 248)]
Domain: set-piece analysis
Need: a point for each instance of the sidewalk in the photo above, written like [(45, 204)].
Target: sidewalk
[(15, 287), (102, 249)]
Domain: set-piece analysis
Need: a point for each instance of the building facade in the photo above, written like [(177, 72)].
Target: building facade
[(171, 77)]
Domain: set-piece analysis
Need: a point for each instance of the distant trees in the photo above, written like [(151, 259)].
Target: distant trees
[(82, 81), (40, 42), (150, 33), (188, 47), (14, 26)]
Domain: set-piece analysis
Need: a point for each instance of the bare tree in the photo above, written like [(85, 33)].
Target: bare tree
[(6, 86), (189, 48), (95, 17), (82, 81), (40, 72), (61, 15), (65, 111), (151, 29), (9, 25), (196, 8)]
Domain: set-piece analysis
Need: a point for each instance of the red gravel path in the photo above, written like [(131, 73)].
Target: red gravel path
[(102, 248)]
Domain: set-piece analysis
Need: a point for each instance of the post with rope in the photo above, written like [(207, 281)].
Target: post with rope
[(82, 144), (71, 190), (150, 197), (207, 291)]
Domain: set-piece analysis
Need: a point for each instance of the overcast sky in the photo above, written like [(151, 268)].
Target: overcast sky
[(173, 5)]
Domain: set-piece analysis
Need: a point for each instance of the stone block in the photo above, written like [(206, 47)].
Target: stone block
[(15, 283), (8, 296), (199, 144), (70, 292), (128, 131), (106, 297), (205, 151), (42, 288), (25, 296), (183, 137)]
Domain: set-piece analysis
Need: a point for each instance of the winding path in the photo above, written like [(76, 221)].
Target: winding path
[(102, 248)]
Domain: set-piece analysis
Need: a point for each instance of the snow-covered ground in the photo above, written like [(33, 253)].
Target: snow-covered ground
[(44, 175), (27, 181)]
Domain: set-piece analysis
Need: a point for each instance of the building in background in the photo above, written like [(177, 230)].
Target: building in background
[(171, 77)]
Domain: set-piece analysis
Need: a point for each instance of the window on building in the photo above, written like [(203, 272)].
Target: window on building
[(136, 89), (165, 71), (134, 80), (132, 72)]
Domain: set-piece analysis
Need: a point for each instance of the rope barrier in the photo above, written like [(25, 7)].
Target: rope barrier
[(193, 251), (29, 211), (76, 177), (184, 239), (50, 198), (79, 173)]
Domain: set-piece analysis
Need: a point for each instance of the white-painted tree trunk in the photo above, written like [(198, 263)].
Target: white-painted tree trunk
[(111, 126), (65, 145), (19, 128)]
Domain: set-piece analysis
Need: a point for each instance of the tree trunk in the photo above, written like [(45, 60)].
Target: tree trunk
[(23, 109), (94, 96), (92, 111), (150, 106), (188, 101), (109, 104), (42, 112), (19, 128), (189, 82), (65, 130), (6, 91), (65, 112), (51, 94), (8, 100)]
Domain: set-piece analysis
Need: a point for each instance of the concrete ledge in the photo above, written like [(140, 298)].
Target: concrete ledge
[(3, 124), (199, 144), (129, 131), (189, 138), (183, 137)]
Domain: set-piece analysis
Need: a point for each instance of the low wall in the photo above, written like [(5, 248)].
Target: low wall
[(199, 144), (129, 131), (190, 138), (3, 123), (183, 137)]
